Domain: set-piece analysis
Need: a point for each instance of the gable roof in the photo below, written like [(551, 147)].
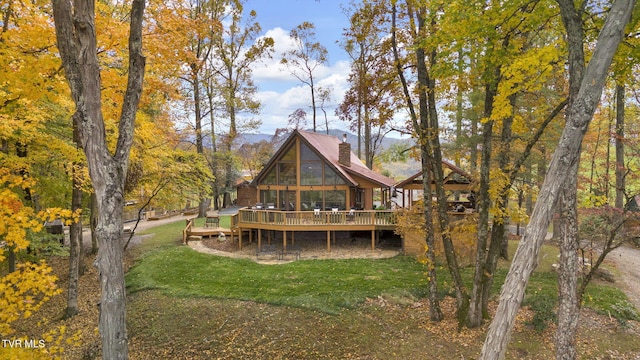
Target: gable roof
[(326, 147), (456, 176)]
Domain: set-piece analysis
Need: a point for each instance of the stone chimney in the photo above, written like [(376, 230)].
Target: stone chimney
[(344, 152)]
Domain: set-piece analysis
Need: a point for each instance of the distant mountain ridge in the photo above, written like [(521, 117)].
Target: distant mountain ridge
[(387, 142)]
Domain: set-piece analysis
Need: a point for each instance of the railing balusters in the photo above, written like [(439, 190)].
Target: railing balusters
[(309, 218)]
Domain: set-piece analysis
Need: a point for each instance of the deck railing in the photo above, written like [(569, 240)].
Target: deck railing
[(315, 218)]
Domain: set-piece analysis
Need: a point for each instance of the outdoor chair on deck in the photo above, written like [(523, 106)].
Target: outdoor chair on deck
[(317, 216), (351, 216), (212, 222)]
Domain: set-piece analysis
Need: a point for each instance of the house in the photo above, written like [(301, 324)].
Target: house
[(315, 183), (456, 181), (314, 170), (633, 204)]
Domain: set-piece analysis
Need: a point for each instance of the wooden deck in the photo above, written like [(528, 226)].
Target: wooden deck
[(328, 221), (207, 231), (254, 223)]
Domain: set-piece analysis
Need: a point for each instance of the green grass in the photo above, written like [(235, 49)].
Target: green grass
[(326, 285), (608, 299), (163, 237)]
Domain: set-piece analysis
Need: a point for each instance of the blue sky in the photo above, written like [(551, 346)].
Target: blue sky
[(280, 93)]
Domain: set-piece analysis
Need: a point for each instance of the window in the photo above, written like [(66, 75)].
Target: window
[(290, 155), (331, 177), (268, 196), (335, 198), (310, 200), (306, 154), (287, 168), (311, 173), (286, 173), (271, 177)]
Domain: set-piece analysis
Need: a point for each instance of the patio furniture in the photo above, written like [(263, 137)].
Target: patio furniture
[(267, 250), (290, 250), (212, 222)]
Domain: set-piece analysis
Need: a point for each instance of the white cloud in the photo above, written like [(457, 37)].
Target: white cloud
[(280, 93)]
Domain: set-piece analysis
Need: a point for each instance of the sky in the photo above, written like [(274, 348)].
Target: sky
[(278, 91)]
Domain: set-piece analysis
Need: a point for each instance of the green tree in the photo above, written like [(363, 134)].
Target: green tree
[(235, 50), (425, 130), (584, 91)]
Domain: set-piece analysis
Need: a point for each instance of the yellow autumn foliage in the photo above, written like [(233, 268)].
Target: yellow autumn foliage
[(463, 234), (23, 292)]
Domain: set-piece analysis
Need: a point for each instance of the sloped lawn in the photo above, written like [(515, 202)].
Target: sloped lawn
[(186, 304), (325, 285)]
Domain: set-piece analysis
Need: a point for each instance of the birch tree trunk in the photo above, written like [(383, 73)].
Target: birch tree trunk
[(578, 116), (76, 36)]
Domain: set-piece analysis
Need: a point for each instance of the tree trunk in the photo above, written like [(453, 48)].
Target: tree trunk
[(11, 256), (197, 101), (620, 166), (94, 223), (75, 244), (452, 261), (313, 99), (569, 304), (475, 315), (578, 114), (435, 312), (368, 154), (499, 234), (214, 164), (76, 38), (11, 259), (75, 237)]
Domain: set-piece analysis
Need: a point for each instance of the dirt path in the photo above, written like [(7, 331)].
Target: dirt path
[(627, 260), (141, 226)]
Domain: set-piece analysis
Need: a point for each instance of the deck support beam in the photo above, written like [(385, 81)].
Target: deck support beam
[(259, 238), (329, 241)]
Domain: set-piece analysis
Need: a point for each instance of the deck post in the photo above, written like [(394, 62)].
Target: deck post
[(373, 239), (239, 238), (284, 240), (259, 238), (328, 240)]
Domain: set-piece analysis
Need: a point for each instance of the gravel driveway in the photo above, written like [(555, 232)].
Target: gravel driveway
[(627, 261)]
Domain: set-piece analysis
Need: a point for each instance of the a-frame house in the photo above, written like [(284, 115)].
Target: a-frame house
[(317, 171), (315, 183)]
